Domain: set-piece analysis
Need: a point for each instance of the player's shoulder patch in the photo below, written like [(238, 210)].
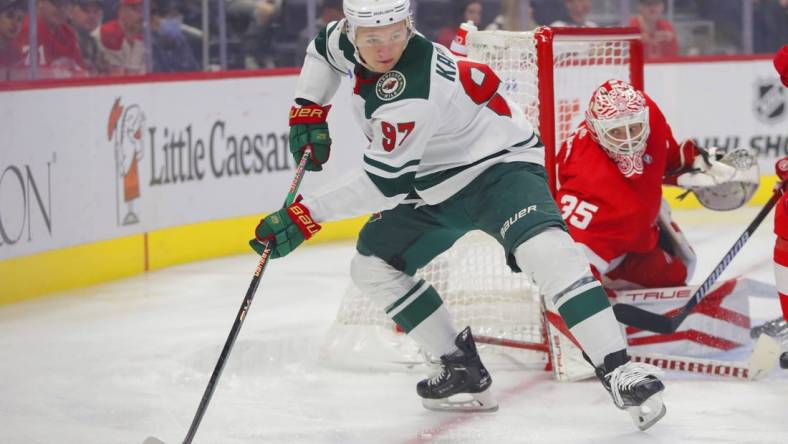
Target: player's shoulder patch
[(332, 42), (410, 78)]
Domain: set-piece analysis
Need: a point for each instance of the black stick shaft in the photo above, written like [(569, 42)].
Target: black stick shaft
[(723, 264), (245, 305), (640, 318)]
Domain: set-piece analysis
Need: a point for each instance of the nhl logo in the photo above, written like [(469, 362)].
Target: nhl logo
[(770, 101), (390, 85)]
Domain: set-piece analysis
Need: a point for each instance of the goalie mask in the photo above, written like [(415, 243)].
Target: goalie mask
[(617, 118), (374, 14)]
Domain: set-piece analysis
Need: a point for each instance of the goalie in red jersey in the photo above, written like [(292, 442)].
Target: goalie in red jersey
[(611, 171)]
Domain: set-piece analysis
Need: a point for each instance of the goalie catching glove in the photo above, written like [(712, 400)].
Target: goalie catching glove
[(286, 228), (722, 181), (308, 128)]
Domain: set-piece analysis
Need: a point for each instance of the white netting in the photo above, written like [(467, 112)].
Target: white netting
[(472, 277), (580, 64), (479, 290), (513, 57)]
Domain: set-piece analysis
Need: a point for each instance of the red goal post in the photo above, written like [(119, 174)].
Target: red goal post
[(563, 67)]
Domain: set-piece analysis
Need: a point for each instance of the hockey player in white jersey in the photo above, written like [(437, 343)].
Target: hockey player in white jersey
[(447, 154)]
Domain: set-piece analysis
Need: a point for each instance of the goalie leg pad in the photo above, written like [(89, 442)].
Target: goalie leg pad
[(557, 265), (678, 242), (413, 304), (652, 269)]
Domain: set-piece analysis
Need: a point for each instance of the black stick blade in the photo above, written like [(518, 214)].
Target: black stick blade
[(644, 319)]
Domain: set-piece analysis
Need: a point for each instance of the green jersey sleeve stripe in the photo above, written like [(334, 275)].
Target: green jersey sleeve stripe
[(347, 48), (321, 45), (391, 187), (430, 180), (328, 36), (388, 168), (321, 41), (529, 142), (332, 28)]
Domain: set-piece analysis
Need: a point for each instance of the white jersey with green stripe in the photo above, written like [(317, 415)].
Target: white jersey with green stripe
[(434, 122)]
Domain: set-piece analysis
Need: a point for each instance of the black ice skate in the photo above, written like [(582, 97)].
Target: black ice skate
[(634, 387), (462, 378)]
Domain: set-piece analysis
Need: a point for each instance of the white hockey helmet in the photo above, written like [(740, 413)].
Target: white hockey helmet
[(617, 118), (374, 13)]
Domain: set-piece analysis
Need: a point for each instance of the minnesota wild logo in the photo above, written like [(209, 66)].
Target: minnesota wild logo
[(390, 85)]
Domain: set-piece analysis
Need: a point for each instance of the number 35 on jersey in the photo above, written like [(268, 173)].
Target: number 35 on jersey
[(577, 212)]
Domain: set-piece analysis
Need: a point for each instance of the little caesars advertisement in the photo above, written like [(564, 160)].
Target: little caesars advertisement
[(92, 163)]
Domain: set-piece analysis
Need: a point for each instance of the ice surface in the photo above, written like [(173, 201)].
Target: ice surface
[(118, 362)]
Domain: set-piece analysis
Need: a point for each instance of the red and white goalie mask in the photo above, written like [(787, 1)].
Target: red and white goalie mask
[(617, 118)]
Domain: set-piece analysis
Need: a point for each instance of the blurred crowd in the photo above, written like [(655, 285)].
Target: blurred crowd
[(84, 38)]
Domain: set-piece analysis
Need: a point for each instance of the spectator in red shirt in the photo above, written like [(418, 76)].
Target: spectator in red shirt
[(58, 51), (12, 13), (120, 43), (659, 38)]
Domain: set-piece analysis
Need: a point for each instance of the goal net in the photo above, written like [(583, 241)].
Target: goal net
[(550, 73)]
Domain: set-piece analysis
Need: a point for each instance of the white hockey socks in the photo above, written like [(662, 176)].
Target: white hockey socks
[(413, 304), (559, 268)]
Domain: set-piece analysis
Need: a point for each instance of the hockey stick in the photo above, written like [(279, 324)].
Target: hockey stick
[(239, 319), (762, 360), (646, 320)]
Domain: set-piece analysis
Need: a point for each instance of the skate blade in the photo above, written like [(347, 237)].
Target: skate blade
[(648, 413), (463, 402)]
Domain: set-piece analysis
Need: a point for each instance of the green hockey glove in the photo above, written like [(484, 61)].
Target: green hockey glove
[(308, 127), (286, 228)]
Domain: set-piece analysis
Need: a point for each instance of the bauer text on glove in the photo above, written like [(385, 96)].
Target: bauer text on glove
[(308, 128), (286, 228)]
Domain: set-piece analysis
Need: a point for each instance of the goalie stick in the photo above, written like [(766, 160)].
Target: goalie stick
[(647, 320), (757, 366), (239, 319)]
